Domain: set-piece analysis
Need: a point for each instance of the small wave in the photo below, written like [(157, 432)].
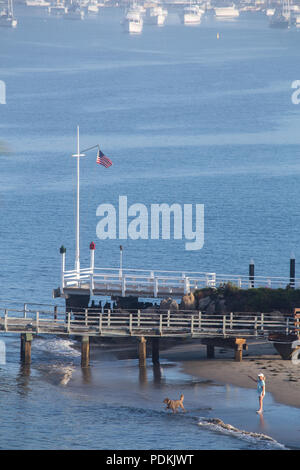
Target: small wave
[(257, 439), (57, 346)]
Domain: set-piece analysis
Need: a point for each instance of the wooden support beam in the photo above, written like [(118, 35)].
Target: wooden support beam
[(85, 351), (26, 339), (155, 350), (237, 344), (142, 351), (238, 354)]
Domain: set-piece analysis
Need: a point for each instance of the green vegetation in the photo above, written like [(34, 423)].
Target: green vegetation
[(262, 299)]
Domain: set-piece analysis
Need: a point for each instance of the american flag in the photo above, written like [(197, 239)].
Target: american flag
[(103, 160)]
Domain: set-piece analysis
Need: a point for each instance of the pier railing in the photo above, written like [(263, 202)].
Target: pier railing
[(152, 283), (135, 323)]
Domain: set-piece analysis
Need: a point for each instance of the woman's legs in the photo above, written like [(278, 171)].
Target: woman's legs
[(260, 400)]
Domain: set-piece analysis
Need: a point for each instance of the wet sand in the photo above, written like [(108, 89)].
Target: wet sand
[(282, 377)]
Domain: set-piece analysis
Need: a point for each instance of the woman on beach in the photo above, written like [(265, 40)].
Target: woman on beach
[(261, 389)]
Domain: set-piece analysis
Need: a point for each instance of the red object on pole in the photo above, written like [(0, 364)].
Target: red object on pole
[(92, 246)]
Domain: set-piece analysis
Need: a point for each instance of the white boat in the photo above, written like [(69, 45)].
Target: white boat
[(37, 3), (74, 12), (192, 14), (156, 16), (58, 9), (93, 7), (133, 22), (270, 11), (227, 12), (297, 21), (7, 18)]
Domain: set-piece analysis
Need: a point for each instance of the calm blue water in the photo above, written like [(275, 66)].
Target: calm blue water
[(186, 118)]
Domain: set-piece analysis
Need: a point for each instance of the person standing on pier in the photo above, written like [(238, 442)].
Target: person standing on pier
[(261, 389)]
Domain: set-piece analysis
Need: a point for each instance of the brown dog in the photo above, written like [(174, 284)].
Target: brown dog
[(174, 404)]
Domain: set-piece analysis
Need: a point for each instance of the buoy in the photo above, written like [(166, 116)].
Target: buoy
[(218, 36)]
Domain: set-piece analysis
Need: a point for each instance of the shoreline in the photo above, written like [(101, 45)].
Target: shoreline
[(282, 377)]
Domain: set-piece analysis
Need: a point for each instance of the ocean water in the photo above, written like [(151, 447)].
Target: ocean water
[(185, 118)]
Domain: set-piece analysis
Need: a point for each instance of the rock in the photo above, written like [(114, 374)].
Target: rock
[(169, 304), (211, 308), (188, 302), (203, 303)]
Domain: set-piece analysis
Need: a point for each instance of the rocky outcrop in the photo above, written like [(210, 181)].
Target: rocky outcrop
[(188, 302), (169, 304)]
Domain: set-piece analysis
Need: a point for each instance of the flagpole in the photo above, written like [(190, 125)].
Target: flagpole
[(77, 253), (77, 228)]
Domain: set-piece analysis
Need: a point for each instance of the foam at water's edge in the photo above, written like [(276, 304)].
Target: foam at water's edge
[(258, 439), (57, 346)]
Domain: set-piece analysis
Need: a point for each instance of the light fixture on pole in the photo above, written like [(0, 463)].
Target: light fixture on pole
[(121, 260)]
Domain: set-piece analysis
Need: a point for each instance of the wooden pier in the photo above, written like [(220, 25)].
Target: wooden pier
[(230, 330)]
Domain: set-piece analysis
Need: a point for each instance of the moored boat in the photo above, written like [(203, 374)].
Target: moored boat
[(7, 18)]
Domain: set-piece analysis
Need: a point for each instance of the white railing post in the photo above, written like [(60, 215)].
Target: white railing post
[(37, 321), (160, 324), (192, 325), (262, 322), (168, 319), (155, 287), (25, 311), (287, 326), (224, 325), (5, 319), (123, 286), (108, 319), (62, 251), (100, 323), (186, 285), (255, 325), (213, 280), (199, 319), (69, 322), (86, 317), (130, 324), (139, 318), (92, 266)]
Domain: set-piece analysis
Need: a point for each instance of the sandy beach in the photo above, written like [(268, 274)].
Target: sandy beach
[(282, 377)]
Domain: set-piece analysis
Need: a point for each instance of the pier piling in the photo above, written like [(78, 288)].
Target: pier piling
[(142, 351), (85, 351), (26, 339), (155, 351)]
